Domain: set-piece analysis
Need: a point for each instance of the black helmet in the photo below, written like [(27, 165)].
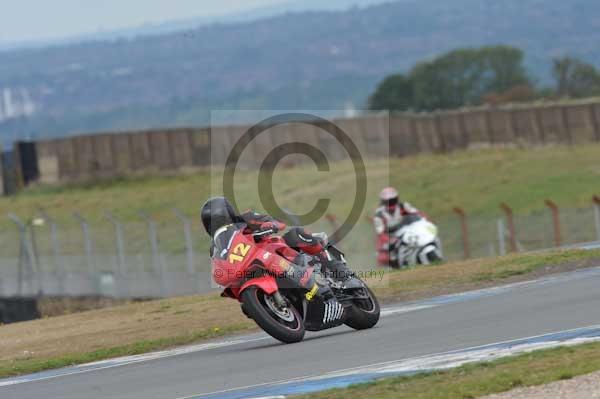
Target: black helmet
[(216, 213)]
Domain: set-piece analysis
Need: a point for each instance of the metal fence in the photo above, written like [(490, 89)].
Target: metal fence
[(498, 235), (466, 236), (147, 258), (42, 257)]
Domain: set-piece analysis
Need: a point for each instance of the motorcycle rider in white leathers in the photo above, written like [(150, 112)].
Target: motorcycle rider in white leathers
[(388, 218)]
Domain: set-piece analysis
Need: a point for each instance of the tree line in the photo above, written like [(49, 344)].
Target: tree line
[(486, 75)]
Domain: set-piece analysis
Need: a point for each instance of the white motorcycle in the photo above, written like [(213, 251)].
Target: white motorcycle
[(416, 243)]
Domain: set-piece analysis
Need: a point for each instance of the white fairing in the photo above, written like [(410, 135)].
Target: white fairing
[(418, 243), (419, 233)]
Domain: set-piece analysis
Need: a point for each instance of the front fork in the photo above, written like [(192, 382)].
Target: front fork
[(279, 299)]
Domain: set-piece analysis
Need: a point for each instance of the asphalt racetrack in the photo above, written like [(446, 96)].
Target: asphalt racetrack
[(239, 367)]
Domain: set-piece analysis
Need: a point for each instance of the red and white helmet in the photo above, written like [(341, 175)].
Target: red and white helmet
[(389, 197)]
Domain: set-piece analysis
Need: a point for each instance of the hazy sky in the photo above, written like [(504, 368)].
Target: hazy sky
[(24, 20)]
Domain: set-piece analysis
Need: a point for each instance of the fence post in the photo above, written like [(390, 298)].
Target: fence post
[(60, 269), (464, 230), (153, 238), (492, 249), (596, 200), (120, 245), (501, 238), (156, 261), (26, 256), (511, 226), (189, 242), (88, 243), (555, 221)]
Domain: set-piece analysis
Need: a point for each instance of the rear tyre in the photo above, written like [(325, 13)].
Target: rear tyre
[(285, 324), (364, 313)]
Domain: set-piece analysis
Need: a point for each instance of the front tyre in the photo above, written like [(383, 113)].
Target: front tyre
[(434, 257), (284, 324), (429, 254), (364, 312)]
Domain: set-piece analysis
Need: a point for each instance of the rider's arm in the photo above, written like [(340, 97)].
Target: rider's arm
[(261, 226), (407, 208), (379, 225)]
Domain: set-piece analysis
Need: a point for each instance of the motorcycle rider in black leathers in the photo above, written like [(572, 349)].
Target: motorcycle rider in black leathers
[(218, 212)]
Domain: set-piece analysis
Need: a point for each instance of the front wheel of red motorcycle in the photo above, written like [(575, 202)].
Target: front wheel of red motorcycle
[(364, 312), (282, 323)]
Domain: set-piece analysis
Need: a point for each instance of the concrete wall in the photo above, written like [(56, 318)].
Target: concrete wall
[(106, 155), (157, 151)]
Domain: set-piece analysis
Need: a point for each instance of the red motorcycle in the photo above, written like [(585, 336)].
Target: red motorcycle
[(284, 291)]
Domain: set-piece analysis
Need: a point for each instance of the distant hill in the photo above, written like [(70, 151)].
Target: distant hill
[(316, 59), (150, 29)]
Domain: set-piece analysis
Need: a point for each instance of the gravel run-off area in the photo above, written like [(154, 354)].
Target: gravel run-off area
[(582, 387)]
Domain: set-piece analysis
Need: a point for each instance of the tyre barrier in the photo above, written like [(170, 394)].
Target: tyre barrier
[(18, 309)]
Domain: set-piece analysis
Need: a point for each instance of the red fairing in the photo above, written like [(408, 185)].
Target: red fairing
[(314, 249), (234, 262), (265, 283), (383, 253)]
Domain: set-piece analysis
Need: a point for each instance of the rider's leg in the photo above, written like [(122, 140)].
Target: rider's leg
[(303, 241)]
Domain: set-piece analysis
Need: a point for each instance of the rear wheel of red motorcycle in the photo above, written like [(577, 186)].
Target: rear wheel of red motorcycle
[(364, 313), (285, 324)]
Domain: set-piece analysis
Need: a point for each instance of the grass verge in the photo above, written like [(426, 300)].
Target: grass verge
[(32, 365), (480, 379), (142, 327)]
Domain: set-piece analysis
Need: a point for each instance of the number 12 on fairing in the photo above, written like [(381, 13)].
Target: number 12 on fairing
[(239, 252)]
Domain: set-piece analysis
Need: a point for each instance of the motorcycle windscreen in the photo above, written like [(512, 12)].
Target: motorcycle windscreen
[(223, 240)]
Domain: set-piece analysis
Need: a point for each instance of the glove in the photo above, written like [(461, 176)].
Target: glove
[(272, 226), (258, 222), (265, 229)]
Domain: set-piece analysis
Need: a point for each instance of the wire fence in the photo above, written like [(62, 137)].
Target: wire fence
[(146, 258), (492, 236), (41, 257)]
